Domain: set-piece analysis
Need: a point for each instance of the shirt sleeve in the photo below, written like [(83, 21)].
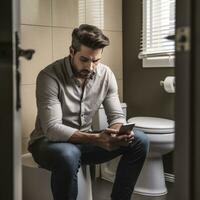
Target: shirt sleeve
[(112, 104), (50, 110)]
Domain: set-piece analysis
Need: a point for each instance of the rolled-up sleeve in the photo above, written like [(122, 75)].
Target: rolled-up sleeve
[(50, 110), (112, 104)]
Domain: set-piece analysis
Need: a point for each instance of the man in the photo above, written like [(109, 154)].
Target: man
[(69, 92)]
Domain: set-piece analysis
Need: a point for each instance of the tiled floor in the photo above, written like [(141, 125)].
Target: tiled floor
[(102, 189)]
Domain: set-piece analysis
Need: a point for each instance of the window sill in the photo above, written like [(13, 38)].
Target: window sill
[(154, 62)]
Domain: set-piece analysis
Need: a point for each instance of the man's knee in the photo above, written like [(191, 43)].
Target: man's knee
[(68, 156), (142, 140)]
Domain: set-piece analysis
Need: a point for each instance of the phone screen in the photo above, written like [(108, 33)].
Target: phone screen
[(126, 128)]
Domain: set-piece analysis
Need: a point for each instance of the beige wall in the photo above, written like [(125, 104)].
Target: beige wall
[(46, 26)]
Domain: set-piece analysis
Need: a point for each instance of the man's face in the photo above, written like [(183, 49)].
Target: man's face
[(85, 61)]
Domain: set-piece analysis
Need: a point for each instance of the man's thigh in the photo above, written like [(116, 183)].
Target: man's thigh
[(51, 154), (48, 154), (91, 154)]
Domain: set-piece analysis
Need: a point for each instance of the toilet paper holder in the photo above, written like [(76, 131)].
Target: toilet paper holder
[(168, 85), (162, 83)]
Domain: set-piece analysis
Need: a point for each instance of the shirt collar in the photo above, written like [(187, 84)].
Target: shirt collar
[(68, 66)]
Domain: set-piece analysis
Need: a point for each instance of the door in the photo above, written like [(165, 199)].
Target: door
[(196, 102), (10, 118), (187, 150), (10, 142)]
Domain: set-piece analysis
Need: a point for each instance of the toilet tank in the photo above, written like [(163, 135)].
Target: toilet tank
[(100, 118)]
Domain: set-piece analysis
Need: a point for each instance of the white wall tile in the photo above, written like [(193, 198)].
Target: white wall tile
[(29, 109), (65, 13), (112, 55), (37, 12), (61, 42), (25, 145), (113, 15), (39, 39)]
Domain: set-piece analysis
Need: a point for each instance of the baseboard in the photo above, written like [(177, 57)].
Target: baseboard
[(170, 177)]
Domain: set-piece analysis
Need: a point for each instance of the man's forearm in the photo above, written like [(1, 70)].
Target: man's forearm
[(83, 137), (105, 139), (116, 126)]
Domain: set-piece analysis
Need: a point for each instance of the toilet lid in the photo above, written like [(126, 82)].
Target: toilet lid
[(153, 124)]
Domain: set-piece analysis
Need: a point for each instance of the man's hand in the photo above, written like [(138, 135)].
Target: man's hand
[(128, 140), (110, 139)]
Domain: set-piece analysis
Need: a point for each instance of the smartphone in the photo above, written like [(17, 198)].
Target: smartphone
[(126, 128)]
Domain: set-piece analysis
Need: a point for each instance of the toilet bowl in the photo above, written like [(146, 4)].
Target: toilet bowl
[(36, 181), (151, 181)]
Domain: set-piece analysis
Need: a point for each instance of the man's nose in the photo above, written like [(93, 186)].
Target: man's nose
[(90, 66)]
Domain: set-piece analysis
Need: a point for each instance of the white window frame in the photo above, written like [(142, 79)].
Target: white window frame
[(158, 59)]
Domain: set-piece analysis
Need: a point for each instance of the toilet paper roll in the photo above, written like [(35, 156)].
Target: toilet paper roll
[(169, 84)]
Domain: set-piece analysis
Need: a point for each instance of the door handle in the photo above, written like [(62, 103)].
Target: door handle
[(27, 54)]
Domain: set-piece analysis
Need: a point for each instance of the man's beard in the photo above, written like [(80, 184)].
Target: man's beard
[(84, 73)]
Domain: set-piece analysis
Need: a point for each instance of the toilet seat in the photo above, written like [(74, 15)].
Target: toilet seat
[(153, 125)]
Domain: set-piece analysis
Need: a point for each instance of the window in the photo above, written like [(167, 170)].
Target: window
[(158, 23), (91, 12)]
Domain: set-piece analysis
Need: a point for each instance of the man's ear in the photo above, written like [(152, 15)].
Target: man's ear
[(71, 50)]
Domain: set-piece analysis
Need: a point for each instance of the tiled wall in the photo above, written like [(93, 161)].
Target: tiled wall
[(46, 26)]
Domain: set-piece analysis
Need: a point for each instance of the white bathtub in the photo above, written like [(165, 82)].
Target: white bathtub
[(36, 181)]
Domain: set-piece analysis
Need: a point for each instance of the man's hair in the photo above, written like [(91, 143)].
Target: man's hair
[(89, 36)]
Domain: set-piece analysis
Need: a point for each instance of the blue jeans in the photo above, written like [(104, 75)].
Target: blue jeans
[(64, 159)]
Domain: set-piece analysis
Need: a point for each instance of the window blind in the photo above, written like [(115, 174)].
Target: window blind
[(158, 23), (91, 12)]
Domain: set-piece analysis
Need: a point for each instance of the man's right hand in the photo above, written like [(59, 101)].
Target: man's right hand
[(110, 140)]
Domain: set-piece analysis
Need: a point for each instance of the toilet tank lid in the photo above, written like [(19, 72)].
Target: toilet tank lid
[(152, 123)]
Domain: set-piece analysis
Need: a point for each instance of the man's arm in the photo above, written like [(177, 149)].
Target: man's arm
[(116, 126), (50, 110), (112, 105), (113, 109)]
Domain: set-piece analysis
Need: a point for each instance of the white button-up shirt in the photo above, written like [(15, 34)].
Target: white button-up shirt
[(65, 107)]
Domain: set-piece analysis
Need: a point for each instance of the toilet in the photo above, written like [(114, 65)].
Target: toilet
[(160, 131)]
